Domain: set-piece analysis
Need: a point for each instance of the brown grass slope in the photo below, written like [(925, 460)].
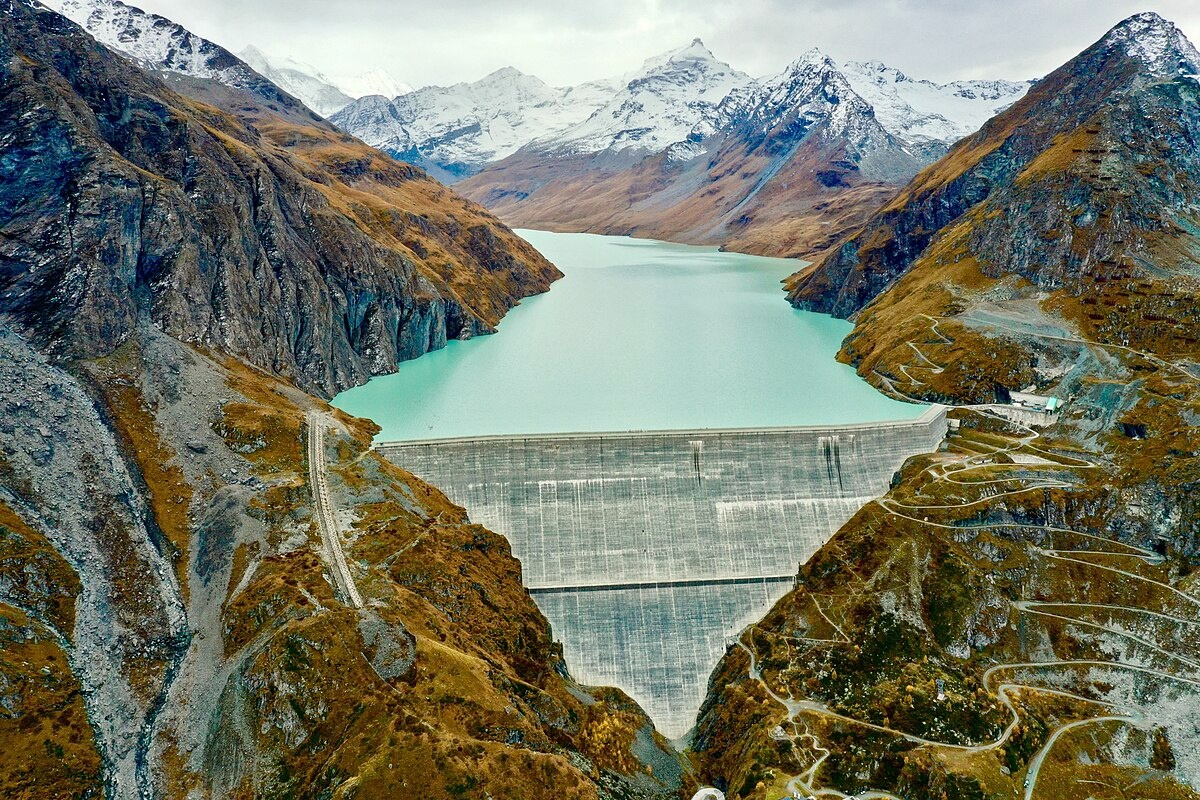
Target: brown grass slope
[(447, 685)]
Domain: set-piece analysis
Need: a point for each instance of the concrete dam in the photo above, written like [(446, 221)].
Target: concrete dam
[(647, 551)]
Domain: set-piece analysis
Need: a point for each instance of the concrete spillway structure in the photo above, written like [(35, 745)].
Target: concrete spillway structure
[(647, 551)]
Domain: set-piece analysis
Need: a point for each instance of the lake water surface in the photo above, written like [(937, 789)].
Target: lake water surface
[(639, 335)]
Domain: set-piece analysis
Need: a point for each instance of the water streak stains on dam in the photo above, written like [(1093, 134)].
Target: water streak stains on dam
[(646, 551)]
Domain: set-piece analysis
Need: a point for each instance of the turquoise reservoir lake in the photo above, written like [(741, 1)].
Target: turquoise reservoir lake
[(639, 335)]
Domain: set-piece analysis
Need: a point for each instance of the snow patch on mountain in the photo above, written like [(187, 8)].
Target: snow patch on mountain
[(657, 107), (155, 42), (371, 82), (919, 110), (1157, 43), (298, 79)]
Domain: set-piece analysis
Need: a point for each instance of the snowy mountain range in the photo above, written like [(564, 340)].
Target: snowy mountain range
[(655, 107), (455, 130), (686, 147), (669, 103), (810, 93), (161, 44), (782, 165)]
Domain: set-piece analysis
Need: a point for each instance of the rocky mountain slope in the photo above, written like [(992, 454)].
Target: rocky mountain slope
[(159, 44), (276, 238), (172, 260), (1017, 618), (1070, 138)]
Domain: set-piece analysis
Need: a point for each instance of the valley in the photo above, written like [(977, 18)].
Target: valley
[(317, 479)]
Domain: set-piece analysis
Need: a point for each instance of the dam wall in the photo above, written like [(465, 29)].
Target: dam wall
[(648, 550)]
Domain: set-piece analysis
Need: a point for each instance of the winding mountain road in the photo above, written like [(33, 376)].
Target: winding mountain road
[(805, 782)]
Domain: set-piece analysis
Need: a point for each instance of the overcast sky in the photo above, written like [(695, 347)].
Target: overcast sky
[(569, 41)]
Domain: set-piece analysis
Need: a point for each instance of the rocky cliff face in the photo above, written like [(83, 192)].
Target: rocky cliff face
[(259, 234)]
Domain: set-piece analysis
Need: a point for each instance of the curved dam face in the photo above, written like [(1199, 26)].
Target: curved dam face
[(649, 551)]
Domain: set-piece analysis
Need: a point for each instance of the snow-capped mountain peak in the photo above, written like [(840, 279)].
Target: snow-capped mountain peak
[(808, 91), (882, 72), (458, 129), (155, 42), (696, 51), (813, 57), (1155, 42), (658, 106)]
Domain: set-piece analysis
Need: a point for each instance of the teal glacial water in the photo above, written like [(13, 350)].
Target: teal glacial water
[(639, 335)]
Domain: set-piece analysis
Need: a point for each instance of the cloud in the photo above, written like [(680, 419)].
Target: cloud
[(568, 41)]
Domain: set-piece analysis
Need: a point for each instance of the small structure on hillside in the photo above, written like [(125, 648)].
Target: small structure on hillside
[(1027, 408), (1036, 402)]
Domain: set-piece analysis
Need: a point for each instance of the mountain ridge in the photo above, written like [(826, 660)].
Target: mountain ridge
[(714, 185), (847, 280)]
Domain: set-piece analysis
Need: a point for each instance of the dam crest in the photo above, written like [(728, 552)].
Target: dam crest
[(648, 550)]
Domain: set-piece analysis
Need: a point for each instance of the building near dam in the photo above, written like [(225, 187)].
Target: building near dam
[(649, 551)]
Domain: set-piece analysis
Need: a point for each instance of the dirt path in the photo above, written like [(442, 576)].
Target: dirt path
[(331, 538)]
